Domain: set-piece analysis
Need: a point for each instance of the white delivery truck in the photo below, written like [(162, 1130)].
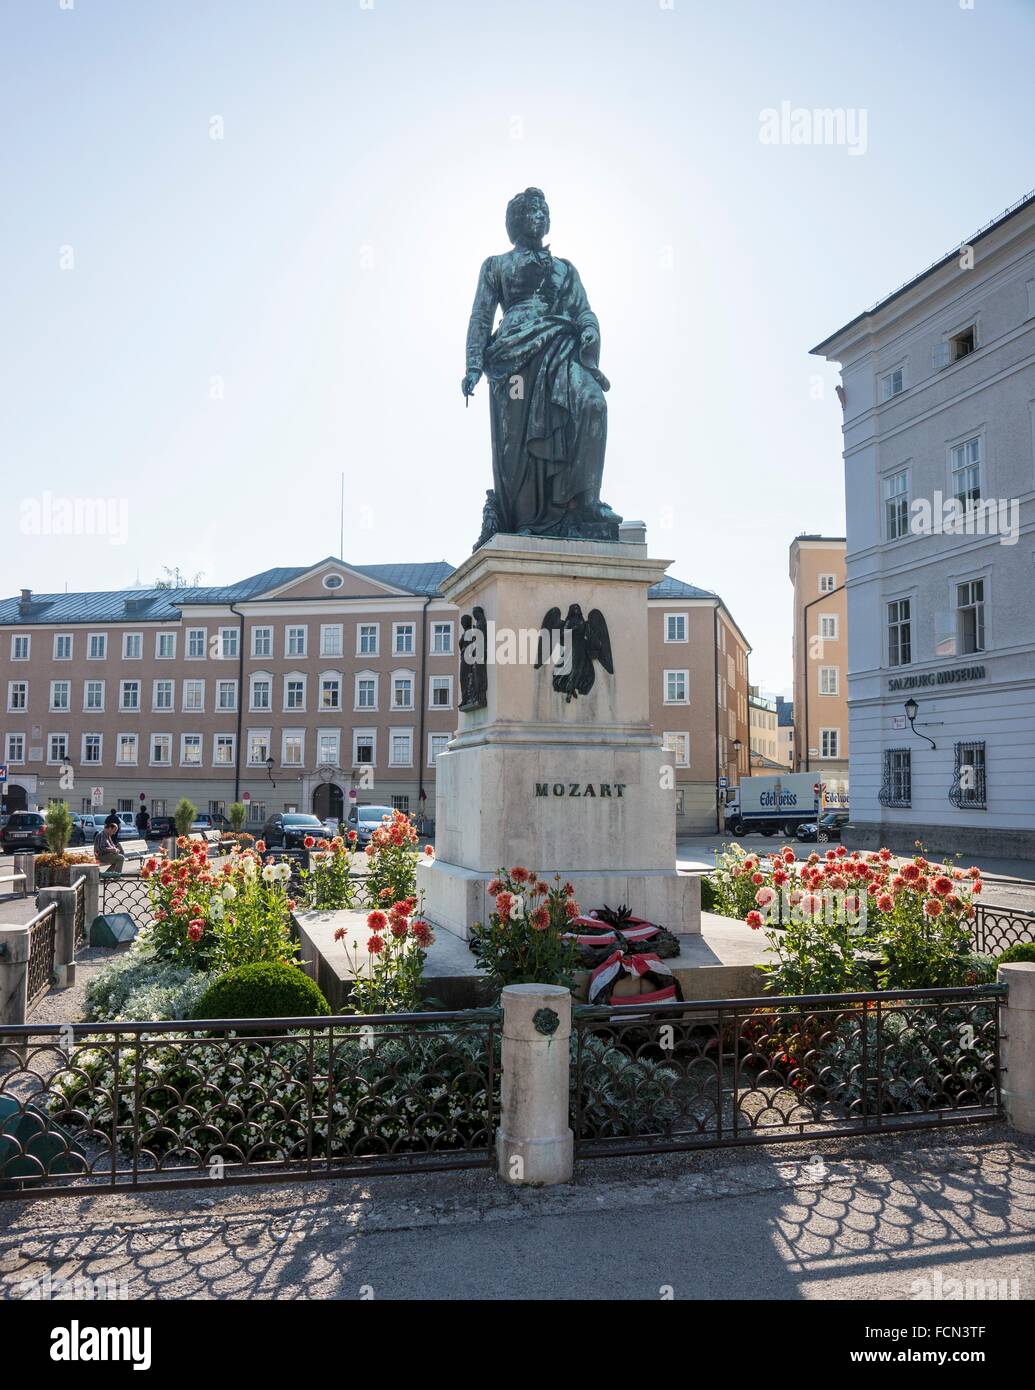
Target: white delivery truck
[(773, 805)]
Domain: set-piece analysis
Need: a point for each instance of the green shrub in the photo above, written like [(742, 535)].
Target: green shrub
[(185, 815), (1022, 950), (136, 987), (263, 989), (58, 829), (709, 897), (237, 814)]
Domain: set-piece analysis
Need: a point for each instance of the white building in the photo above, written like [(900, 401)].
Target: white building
[(938, 384)]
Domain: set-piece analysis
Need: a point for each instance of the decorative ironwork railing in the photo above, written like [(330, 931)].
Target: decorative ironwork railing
[(127, 893), (995, 928), (678, 1076), (80, 912), (135, 1105), (42, 933)]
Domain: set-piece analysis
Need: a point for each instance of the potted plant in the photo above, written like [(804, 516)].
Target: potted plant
[(53, 868)]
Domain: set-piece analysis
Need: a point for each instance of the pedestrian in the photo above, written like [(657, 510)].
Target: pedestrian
[(143, 823), (106, 846)]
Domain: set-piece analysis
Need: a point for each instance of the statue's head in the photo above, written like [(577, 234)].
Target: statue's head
[(528, 216)]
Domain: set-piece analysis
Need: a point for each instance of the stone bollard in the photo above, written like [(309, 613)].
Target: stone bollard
[(534, 1143), (1018, 1044), (64, 933), (14, 974)]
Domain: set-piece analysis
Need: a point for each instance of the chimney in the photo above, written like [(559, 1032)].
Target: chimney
[(26, 597)]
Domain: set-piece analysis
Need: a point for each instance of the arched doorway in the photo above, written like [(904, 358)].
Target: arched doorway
[(16, 798), (329, 801)]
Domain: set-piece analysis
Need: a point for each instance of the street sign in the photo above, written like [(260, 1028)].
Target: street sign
[(898, 721), (723, 782), (96, 796), (246, 797), (3, 772)]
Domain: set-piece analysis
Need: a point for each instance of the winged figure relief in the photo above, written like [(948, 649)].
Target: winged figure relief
[(572, 647)]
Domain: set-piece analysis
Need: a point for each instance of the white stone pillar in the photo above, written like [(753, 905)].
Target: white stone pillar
[(14, 974), (1018, 1044), (91, 873), (534, 1143), (64, 933), (26, 864)]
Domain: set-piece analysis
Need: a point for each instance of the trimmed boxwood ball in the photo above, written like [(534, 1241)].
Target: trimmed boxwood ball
[(1023, 951), (263, 989)]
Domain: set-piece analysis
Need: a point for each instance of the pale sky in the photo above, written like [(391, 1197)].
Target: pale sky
[(319, 260)]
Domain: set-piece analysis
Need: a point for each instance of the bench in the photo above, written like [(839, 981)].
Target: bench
[(134, 849), (13, 879)]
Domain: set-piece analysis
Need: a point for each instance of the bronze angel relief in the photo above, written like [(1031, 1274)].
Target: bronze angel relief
[(571, 649)]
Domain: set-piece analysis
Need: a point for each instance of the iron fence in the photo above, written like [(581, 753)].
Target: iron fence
[(995, 928), (162, 1105), (679, 1076), (40, 972), (127, 893), (80, 912)]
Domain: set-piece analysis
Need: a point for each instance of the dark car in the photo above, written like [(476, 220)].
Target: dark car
[(288, 829), (827, 828), (24, 830), (364, 820), (161, 828)]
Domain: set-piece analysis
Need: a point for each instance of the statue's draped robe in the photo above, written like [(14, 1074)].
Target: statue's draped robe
[(549, 416)]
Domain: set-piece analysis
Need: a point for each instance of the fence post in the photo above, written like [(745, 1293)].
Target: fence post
[(1018, 1044), (92, 901), (534, 1143), (14, 974), (26, 864), (64, 933)]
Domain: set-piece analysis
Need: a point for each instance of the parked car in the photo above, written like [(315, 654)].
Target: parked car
[(162, 828), (827, 828), (288, 829), (331, 826), (24, 830), (209, 820), (364, 820)]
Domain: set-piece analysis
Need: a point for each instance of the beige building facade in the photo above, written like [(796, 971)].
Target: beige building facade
[(305, 688), (820, 659)]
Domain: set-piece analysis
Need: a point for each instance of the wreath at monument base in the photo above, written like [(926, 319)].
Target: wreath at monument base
[(627, 981), (600, 931)]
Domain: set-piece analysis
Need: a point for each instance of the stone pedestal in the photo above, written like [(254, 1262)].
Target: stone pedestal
[(580, 787)]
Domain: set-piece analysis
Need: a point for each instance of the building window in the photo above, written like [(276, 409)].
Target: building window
[(165, 645), (294, 692), (676, 687), (226, 695), (126, 750), (333, 581), (292, 748), (17, 695), (366, 692), (57, 748), (675, 627), (261, 692), (965, 463), (442, 639), (63, 646), (97, 646), (129, 695), (363, 747), (15, 748), (828, 682), (330, 639), (897, 780), (258, 747), (441, 692), (132, 646), (257, 811), (228, 638), (190, 750), (401, 802), (262, 641), (896, 506), (678, 745), (60, 694), (20, 648), (968, 790), (161, 750), (828, 627), (196, 643), (329, 745), (368, 638), (93, 695), (827, 583), (193, 696), (437, 743), (892, 384), (402, 639), (163, 694), (400, 748), (223, 750), (330, 692), (900, 645), (970, 615), (402, 692), (92, 746), (295, 641), (962, 344), (830, 743)]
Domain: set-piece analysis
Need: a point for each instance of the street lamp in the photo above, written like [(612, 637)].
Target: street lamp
[(269, 771), (912, 708), (737, 745)]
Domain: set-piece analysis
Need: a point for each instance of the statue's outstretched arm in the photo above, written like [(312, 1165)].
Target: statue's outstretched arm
[(483, 314)]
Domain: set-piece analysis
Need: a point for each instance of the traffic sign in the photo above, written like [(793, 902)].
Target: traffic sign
[(246, 797), (3, 772), (724, 782), (96, 796)]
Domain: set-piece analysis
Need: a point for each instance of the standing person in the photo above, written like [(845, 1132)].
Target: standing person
[(143, 822), (106, 846)]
